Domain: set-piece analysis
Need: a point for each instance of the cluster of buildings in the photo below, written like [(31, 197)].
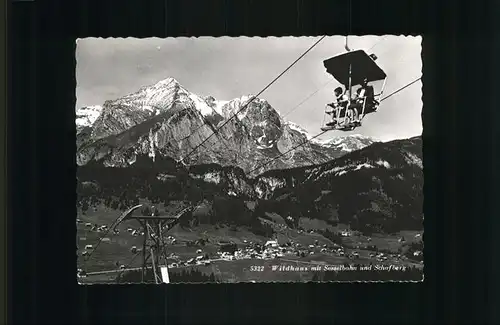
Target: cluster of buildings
[(272, 249), (200, 259)]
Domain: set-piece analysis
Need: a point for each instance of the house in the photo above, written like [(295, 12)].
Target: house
[(271, 243), (345, 233)]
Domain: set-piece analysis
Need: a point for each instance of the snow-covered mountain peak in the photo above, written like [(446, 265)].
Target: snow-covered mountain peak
[(202, 106), (347, 143), (164, 84), (299, 129), (231, 107), (167, 81), (248, 97), (86, 116), (158, 96), (165, 119)]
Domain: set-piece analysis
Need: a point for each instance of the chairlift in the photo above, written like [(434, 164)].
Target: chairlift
[(352, 69)]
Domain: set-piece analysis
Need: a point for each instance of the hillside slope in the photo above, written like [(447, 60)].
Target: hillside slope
[(379, 187)]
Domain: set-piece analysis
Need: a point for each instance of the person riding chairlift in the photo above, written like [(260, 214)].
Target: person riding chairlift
[(341, 103), (365, 92)]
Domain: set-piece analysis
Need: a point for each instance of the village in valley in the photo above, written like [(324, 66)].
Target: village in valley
[(209, 251)]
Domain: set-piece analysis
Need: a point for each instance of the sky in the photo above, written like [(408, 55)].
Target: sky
[(227, 67)]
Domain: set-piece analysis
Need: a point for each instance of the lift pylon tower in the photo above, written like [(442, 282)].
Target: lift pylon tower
[(154, 253)]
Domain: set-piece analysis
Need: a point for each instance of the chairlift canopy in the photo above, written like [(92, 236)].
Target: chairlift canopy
[(362, 66)]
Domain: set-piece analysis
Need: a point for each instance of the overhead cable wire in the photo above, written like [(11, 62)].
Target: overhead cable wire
[(247, 102), (241, 109), (254, 97), (398, 90), (129, 263), (279, 156), (308, 97), (284, 153), (379, 41)]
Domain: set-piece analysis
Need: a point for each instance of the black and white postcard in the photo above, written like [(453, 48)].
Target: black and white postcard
[(240, 159)]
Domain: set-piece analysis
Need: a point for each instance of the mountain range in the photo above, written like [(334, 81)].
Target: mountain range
[(136, 148), (167, 120)]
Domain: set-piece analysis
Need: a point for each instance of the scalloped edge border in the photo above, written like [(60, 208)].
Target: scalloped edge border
[(275, 37)]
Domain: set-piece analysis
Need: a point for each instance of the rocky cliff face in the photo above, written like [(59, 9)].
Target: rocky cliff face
[(167, 120)]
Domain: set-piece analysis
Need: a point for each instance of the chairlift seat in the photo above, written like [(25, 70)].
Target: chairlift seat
[(351, 69)]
